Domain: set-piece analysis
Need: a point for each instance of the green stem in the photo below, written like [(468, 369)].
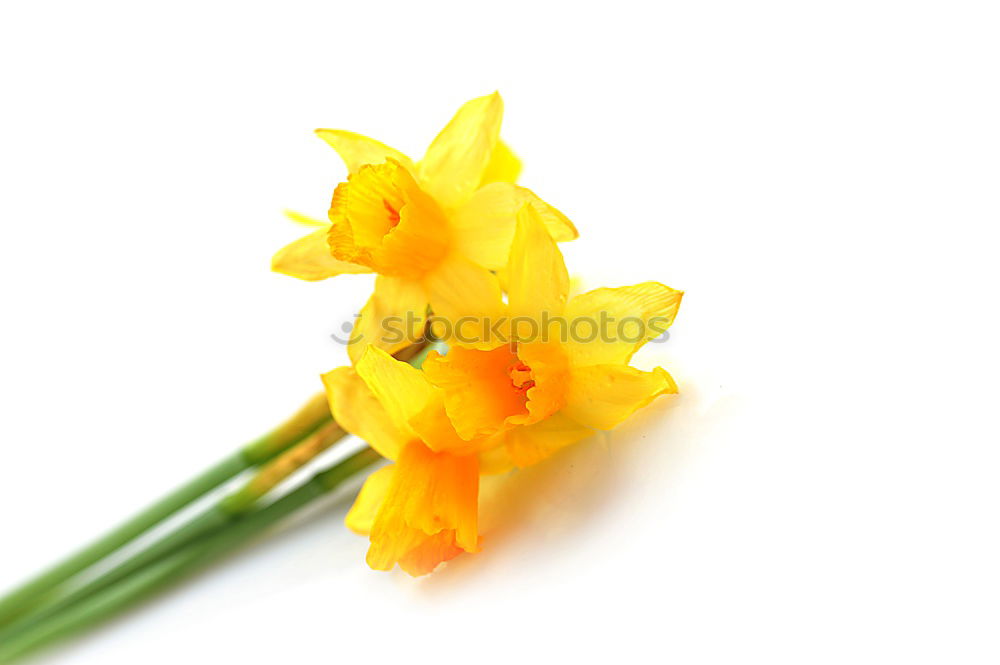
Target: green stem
[(215, 518), (161, 573), (281, 467), (30, 594)]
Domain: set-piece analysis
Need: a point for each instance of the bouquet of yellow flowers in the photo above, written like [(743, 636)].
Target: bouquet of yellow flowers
[(469, 358)]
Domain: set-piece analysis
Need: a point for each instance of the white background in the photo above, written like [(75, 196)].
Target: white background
[(819, 177)]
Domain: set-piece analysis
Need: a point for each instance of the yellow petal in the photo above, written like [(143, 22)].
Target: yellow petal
[(431, 552), (309, 258), (413, 404), (537, 280), (356, 409), (393, 318), (607, 326), (456, 160), (361, 516), (602, 396), (403, 390), (306, 220), (429, 511), (533, 443), (496, 459), (483, 228), (436, 491), (466, 298), (504, 165), (357, 150)]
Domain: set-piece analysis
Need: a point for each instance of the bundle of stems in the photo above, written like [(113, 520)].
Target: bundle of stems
[(186, 560), (70, 596)]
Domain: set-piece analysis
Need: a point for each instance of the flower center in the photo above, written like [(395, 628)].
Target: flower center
[(393, 214), (520, 376)]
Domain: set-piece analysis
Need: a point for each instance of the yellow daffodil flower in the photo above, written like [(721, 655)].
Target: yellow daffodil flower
[(479, 410), (422, 509), (432, 231)]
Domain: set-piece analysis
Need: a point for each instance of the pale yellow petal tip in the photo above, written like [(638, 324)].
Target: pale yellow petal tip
[(309, 259), (669, 385), (305, 220), (492, 98), (327, 134), (330, 136), (363, 359), (376, 563), (332, 380), (358, 150), (371, 355), (360, 526), (669, 289), (572, 233), (284, 262), (560, 227), (675, 295)]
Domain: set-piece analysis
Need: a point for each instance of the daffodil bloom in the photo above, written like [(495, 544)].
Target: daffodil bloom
[(422, 509), (432, 230), (476, 411)]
